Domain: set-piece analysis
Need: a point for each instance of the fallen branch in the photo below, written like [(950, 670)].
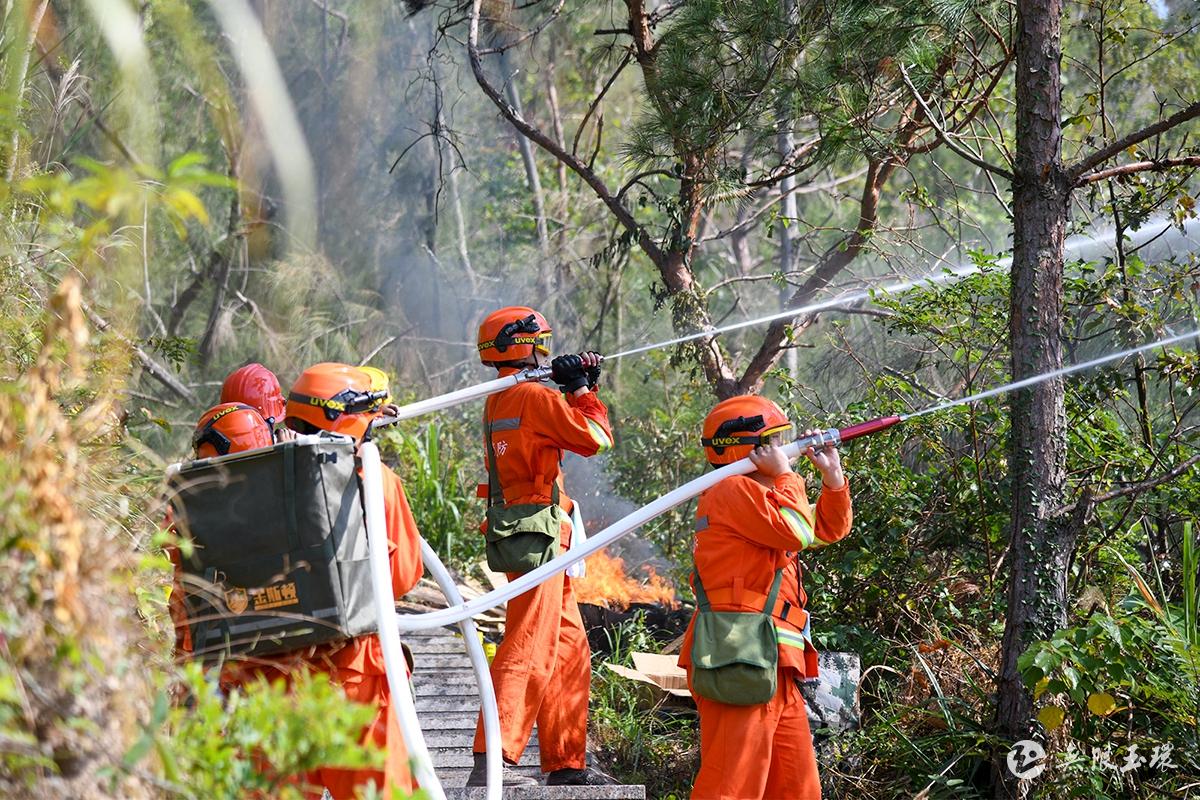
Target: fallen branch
[(155, 369)]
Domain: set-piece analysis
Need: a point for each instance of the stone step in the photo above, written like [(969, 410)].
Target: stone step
[(438, 647), (459, 739), (457, 776), (441, 662), (553, 793), (454, 682), (446, 702), (460, 757), (449, 721)]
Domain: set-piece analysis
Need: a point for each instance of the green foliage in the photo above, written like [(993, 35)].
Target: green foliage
[(437, 464), (1127, 680), (658, 448), (260, 738), (654, 746)]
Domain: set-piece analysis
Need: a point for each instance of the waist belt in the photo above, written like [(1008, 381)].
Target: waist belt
[(539, 488), (739, 596)]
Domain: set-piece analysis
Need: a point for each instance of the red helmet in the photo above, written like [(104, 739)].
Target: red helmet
[(256, 386), (513, 334), (230, 428), (736, 426), (335, 397)]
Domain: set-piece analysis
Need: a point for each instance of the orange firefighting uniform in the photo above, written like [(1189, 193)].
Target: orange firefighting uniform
[(544, 654), (356, 664), (745, 531)]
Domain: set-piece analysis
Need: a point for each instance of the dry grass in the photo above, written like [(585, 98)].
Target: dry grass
[(74, 654)]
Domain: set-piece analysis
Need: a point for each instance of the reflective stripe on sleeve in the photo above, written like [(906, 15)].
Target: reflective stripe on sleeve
[(799, 526), (789, 638), (599, 435)]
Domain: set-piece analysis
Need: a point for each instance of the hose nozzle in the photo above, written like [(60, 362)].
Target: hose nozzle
[(834, 437), (868, 427)]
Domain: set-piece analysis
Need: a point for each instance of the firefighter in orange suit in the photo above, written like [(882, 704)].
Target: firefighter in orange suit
[(747, 528), (542, 668), (223, 429), (343, 399)]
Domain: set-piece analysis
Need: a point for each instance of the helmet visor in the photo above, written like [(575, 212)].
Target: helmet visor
[(209, 435), (776, 436), (347, 401)]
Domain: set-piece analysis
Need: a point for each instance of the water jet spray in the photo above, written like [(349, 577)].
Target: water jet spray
[(1076, 244), (630, 523)]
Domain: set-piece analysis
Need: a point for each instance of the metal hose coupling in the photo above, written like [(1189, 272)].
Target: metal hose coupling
[(835, 437)]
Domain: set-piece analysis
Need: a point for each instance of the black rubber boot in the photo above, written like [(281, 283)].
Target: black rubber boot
[(508, 775), (580, 777)]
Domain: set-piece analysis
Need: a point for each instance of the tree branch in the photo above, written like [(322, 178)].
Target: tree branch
[(156, 370), (1157, 165), (596, 101), (527, 35), (1120, 145), (1141, 487), (832, 262), (946, 138), (648, 245)]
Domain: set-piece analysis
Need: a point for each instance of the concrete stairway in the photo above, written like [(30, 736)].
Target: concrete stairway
[(448, 704)]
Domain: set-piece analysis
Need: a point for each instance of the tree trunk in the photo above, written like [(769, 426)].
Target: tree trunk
[(785, 143), (1041, 544), (531, 176)]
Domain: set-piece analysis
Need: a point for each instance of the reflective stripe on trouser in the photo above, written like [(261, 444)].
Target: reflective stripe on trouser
[(542, 673), (761, 752)]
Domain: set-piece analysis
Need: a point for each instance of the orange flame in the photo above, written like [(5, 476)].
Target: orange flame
[(606, 584)]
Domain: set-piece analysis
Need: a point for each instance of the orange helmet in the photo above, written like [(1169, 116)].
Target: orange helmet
[(335, 397), (513, 334), (736, 426), (256, 386), (230, 428)]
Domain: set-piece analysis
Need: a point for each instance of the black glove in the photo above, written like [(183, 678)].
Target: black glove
[(593, 373), (568, 372)]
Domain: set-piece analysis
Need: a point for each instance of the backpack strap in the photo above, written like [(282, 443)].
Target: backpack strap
[(289, 494), (769, 608), (495, 491)]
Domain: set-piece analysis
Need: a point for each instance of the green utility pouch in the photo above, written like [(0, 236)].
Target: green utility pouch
[(735, 654), (522, 537)]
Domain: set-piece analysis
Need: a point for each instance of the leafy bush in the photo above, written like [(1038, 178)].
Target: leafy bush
[(658, 747), (1120, 694), (436, 464), (257, 741)]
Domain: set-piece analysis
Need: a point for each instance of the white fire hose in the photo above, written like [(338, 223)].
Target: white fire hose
[(483, 674), (619, 529), (389, 632), (466, 395)]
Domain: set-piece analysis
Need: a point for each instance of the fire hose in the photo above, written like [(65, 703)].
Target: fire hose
[(628, 524), (393, 655), (461, 612), (389, 633)]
